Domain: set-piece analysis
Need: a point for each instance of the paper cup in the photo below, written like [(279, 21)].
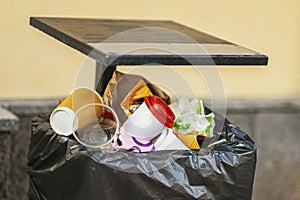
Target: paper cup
[(133, 144), (61, 119), (190, 140), (150, 119), (167, 140)]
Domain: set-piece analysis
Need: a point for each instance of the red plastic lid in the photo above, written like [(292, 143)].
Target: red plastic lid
[(160, 110)]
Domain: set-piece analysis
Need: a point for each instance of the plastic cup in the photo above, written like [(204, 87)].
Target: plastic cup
[(61, 119), (95, 125), (150, 119)]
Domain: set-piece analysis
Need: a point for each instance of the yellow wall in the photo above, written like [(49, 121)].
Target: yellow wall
[(33, 65)]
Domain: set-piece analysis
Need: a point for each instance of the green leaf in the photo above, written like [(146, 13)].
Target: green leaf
[(179, 126), (176, 124), (209, 119), (199, 107), (185, 127)]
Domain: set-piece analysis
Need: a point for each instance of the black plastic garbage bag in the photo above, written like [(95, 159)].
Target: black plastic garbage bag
[(60, 168)]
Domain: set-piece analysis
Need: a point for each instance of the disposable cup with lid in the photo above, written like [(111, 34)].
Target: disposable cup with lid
[(150, 119)]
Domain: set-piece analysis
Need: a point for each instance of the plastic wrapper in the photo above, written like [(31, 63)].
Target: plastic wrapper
[(60, 168)]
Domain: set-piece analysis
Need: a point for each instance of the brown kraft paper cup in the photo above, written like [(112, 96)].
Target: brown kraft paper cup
[(62, 117)]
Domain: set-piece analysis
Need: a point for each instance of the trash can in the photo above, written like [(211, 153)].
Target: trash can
[(61, 168)]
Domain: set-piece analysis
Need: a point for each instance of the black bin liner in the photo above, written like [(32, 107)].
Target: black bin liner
[(60, 168)]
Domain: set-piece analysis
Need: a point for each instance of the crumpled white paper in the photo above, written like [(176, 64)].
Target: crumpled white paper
[(190, 118)]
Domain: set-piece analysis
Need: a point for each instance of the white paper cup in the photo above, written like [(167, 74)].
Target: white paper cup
[(167, 140), (150, 119), (61, 119)]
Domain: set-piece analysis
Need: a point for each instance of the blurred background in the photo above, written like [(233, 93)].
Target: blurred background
[(36, 70)]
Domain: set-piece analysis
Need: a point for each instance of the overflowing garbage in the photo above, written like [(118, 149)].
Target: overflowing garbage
[(135, 142), (152, 124)]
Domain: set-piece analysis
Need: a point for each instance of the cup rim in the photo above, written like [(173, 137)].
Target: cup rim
[(90, 89), (101, 145), (59, 109)]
